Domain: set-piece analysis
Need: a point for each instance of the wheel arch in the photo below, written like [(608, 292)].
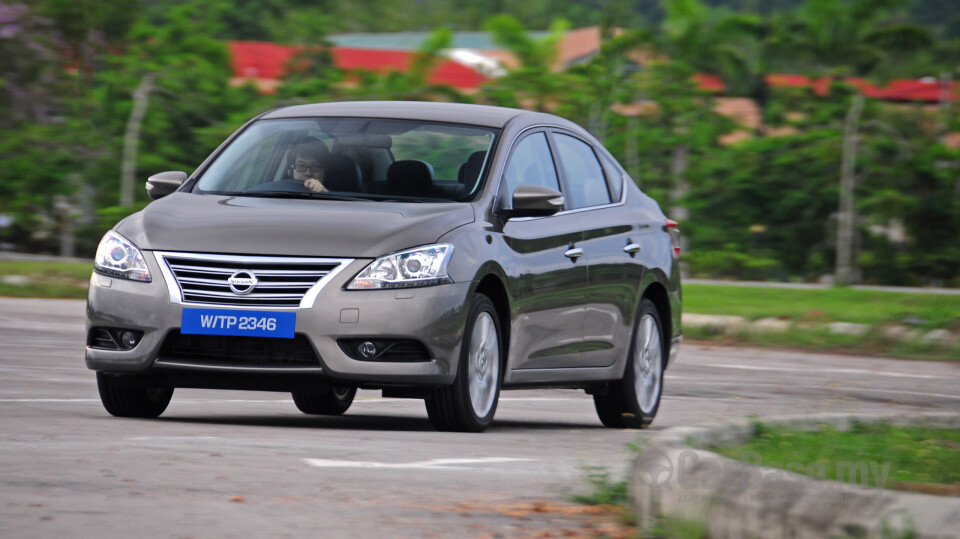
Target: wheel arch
[(491, 285), (657, 293)]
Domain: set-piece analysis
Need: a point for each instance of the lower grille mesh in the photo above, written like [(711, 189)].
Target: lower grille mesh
[(225, 351)]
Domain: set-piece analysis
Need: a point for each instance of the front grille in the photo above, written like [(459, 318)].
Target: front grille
[(226, 351), (281, 281)]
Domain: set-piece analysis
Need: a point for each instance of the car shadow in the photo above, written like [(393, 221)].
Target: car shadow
[(365, 422)]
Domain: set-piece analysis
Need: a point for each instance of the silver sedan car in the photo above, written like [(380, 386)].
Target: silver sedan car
[(436, 251)]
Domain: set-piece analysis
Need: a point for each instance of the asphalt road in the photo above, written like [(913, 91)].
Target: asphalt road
[(248, 464)]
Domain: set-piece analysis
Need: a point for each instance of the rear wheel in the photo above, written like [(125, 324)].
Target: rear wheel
[(468, 405), (127, 400), (334, 401), (633, 401)]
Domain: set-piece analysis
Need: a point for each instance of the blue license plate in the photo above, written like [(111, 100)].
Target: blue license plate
[(239, 323)]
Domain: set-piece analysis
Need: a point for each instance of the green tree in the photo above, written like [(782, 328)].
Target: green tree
[(856, 37), (174, 78), (534, 84)]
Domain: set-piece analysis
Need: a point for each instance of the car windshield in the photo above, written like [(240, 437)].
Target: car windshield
[(350, 158)]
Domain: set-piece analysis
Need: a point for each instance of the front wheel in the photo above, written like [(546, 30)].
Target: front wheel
[(633, 401), (127, 400), (334, 401), (468, 405)]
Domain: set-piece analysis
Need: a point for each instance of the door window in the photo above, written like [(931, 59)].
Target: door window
[(614, 178), (531, 164), (582, 171)]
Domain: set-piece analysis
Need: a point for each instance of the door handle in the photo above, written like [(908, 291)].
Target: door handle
[(574, 253), (632, 248)]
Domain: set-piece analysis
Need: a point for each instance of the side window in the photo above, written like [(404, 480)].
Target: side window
[(614, 178), (531, 164), (583, 173)]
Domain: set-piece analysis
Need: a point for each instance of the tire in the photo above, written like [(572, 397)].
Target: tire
[(469, 404), (334, 401), (633, 401), (123, 400)]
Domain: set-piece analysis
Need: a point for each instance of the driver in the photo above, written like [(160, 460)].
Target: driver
[(307, 165)]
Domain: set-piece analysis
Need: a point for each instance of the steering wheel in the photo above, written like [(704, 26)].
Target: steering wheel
[(288, 185)]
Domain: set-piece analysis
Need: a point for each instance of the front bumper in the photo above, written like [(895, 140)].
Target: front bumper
[(434, 316), (674, 349)]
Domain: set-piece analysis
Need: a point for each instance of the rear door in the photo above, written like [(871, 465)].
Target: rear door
[(610, 243)]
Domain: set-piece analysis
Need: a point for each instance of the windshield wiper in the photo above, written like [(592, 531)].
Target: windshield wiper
[(296, 194), (417, 200)]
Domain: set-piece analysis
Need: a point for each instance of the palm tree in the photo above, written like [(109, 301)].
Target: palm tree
[(834, 37), (850, 37)]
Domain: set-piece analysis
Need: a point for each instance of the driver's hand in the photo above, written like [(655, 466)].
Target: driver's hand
[(314, 185)]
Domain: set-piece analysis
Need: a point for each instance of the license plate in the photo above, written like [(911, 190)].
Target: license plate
[(238, 323)]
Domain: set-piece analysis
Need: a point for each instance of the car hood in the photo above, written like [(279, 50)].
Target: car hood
[(295, 227)]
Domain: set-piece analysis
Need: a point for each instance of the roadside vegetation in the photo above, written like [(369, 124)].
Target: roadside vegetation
[(835, 304), (871, 343), (612, 497), (102, 94), (916, 455), (23, 279), (893, 323)]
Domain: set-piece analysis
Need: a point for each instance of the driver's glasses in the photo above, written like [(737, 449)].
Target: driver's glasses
[(301, 166)]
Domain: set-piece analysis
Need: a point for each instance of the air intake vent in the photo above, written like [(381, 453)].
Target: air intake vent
[(246, 281), (101, 338), (250, 352)]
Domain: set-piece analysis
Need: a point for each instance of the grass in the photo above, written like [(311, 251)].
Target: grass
[(605, 490), (914, 454), (44, 279), (821, 339), (815, 308), (614, 497), (823, 305)]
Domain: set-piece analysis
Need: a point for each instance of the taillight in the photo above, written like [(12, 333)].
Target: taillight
[(673, 228)]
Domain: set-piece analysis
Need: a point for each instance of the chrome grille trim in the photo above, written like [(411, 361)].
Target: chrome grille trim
[(201, 279)]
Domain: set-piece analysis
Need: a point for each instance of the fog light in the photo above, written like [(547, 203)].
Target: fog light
[(128, 339), (367, 349)]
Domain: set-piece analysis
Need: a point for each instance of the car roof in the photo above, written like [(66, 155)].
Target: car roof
[(484, 115)]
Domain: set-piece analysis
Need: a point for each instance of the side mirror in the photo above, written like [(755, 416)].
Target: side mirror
[(164, 183), (535, 201)]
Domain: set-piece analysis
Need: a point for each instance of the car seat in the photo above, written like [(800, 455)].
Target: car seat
[(341, 173), (410, 177)]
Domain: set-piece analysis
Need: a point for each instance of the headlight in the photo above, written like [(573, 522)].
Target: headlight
[(118, 257), (423, 266)]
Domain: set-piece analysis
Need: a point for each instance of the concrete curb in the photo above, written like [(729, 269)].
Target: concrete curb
[(675, 477), (731, 325)]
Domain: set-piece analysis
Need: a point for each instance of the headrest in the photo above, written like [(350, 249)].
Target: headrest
[(310, 147), (341, 173), (410, 177)]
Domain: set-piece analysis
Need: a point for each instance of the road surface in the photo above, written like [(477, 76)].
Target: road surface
[(248, 464)]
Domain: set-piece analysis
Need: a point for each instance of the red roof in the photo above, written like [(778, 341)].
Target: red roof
[(260, 60), (709, 83), (896, 90)]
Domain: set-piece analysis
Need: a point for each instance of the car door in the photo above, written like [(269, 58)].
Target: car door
[(610, 243), (547, 278)]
